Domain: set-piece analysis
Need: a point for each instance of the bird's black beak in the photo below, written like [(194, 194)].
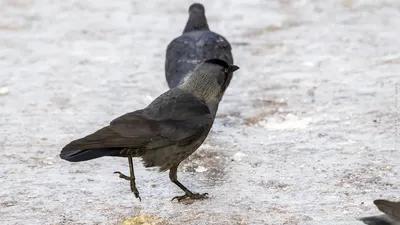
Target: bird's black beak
[(233, 68)]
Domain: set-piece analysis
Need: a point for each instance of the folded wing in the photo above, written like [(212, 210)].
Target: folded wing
[(174, 118)]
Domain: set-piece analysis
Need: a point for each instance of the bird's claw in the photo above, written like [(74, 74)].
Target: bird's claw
[(133, 185), (123, 176), (137, 196), (190, 196), (135, 190)]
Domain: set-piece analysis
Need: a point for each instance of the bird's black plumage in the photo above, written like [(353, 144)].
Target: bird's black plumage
[(164, 133), (174, 118), (195, 45), (218, 62), (375, 220)]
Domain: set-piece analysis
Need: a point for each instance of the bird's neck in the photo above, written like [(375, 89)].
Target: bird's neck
[(202, 91), (196, 21)]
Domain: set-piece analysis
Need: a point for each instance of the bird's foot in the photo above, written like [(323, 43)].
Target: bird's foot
[(193, 196), (132, 182), (123, 176)]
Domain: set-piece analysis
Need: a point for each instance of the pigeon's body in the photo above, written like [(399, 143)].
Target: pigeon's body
[(164, 133), (391, 216), (196, 44)]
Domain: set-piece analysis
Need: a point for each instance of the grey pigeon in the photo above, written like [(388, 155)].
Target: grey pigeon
[(164, 133), (196, 44), (391, 217)]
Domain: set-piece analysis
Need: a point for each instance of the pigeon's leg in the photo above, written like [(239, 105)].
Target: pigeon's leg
[(131, 178), (188, 194)]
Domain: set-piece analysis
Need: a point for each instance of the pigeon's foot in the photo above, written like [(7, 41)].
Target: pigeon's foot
[(189, 195), (133, 184)]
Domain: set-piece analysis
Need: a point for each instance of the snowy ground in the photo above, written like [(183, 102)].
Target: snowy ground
[(306, 133)]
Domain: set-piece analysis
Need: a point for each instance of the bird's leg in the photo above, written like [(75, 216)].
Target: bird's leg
[(131, 178), (188, 194)]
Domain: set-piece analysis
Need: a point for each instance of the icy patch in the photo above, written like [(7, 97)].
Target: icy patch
[(239, 156), (290, 122), (309, 64), (200, 169), (4, 91)]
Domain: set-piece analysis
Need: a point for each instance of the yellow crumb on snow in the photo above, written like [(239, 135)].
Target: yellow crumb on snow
[(142, 220)]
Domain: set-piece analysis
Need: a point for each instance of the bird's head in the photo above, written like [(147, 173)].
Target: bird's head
[(196, 8), (209, 79), (197, 18)]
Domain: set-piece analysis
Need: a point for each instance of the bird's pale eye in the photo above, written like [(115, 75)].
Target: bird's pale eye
[(226, 70)]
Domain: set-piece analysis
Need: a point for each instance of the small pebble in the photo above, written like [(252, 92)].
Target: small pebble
[(8, 204), (310, 92)]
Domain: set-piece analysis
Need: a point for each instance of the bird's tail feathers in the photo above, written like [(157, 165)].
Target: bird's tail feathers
[(93, 146), (88, 154)]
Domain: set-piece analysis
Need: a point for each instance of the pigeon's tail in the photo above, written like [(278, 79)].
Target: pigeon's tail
[(376, 220), (99, 144), (197, 19)]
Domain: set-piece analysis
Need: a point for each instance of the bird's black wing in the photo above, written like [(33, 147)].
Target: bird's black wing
[(174, 118)]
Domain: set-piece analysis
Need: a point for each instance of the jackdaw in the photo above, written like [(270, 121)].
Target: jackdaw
[(196, 44), (391, 216), (164, 133)]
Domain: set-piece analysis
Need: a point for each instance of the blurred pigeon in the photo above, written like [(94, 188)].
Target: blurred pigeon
[(164, 133), (196, 44), (391, 217)]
